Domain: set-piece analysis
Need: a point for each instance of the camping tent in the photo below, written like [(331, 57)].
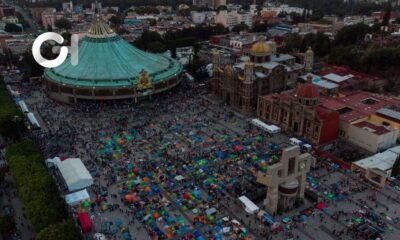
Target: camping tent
[(32, 119), (75, 174), (250, 207), (77, 197), (23, 106), (84, 222)]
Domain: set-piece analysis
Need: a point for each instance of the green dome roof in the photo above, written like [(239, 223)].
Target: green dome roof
[(107, 60)]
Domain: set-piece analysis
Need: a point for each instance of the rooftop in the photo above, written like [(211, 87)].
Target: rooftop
[(107, 60), (337, 78), (383, 161), (362, 104), (372, 128)]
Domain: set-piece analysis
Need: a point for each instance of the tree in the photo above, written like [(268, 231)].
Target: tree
[(7, 226), (116, 20), (387, 16), (259, 27), (66, 36), (156, 47), (63, 23), (396, 168), (240, 27), (317, 15), (65, 230), (11, 118), (12, 27), (352, 35)]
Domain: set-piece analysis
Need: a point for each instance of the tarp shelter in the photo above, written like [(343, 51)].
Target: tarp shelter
[(250, 207), (84, 222), (179, 178), (75, 174), (23, 106), (32, 119), (75, 198)]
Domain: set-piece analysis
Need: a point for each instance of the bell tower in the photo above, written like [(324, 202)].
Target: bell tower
[(248, 92), (216, 73), (308, 60)]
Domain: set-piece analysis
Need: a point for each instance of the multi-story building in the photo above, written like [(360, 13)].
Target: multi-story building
[(301, 113), (232, 18), (209, 3), (286, 180), (261, 71)]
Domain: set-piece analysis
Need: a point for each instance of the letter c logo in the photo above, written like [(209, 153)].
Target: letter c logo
[(38, 56)]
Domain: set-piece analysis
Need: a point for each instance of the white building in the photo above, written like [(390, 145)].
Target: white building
[(232, 18), (378, 167), (201, 17), (284, 8), (371, 137)]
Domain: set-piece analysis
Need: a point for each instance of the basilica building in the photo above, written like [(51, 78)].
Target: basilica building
[(259, 72)]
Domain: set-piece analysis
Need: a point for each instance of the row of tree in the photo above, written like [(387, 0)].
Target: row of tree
[(44, 208), (154, 42), (10, 116)]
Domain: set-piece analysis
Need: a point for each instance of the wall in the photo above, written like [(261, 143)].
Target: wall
[(370, 141), (379, 120)]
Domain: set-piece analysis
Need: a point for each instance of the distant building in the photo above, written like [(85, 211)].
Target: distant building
[(377, 168), (370, 136), (209, 3), (286, 180), (300, 111), (6, 10), (201, 17), (261, 71), (232, 18), (369, 120)]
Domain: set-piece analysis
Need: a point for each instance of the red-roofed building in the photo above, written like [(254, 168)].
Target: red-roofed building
[(362, 123), (349, 79), (300, 111)]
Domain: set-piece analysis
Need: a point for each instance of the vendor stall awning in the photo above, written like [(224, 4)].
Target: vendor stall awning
[(250, 207), (75, 174), (77, 197)]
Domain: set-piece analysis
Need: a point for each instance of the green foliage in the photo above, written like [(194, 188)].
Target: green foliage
[(12, 27), (259, 27), (36, 187), (65, 230), (156, 47), (352, 35), (345, 55), (63, 23), (66, 36), (10, 116), (320, 43), (384, 58), (317, 15), (147, 10), (32, 68), (240, 27), (386, 17), (7, 226)]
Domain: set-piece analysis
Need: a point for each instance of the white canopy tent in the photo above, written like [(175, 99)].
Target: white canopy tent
[(250, 207), (75, 198), (75, 174), (23, 106), (33, 120)]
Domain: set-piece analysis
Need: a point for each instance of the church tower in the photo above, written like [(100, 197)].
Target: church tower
[(308, 60), (248, 92), (216, 73)]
